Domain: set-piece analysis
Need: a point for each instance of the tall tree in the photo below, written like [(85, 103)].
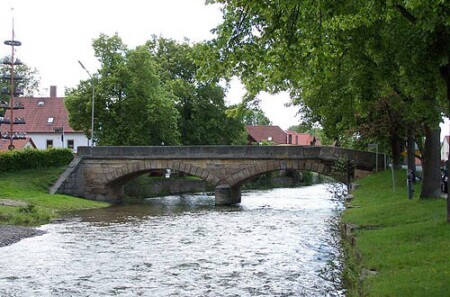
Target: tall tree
[(249, 113), (131, 105), (337, 57), (29, 82), (201, 104)]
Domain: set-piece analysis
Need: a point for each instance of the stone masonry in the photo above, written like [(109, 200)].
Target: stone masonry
[(100, 172)]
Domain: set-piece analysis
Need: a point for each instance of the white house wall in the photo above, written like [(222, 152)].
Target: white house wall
[(40, 140)]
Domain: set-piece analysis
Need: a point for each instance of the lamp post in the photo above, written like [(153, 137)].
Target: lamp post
[(93, 103)]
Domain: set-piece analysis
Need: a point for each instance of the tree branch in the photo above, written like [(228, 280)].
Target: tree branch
[(406, 13)]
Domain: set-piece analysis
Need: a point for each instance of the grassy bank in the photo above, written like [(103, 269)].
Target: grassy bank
[(24, 197), (401, 246)]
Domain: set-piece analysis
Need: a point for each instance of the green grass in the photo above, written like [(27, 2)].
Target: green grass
[(405, 241), (31, 188)]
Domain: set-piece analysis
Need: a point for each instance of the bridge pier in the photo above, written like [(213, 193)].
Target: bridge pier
[(227, 195)]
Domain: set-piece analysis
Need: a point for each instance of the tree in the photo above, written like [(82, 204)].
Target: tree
[(131, 105), (203, 118), (29, 83), (249, 113), (337, 58)]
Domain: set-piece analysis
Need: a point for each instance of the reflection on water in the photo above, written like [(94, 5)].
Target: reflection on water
[(276, 243)]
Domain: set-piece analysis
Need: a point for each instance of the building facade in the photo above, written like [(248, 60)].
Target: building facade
[(46, 123)]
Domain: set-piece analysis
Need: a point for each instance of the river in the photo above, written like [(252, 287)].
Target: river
[(277, 242)]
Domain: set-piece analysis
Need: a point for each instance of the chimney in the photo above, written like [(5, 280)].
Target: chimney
[(53, 92)]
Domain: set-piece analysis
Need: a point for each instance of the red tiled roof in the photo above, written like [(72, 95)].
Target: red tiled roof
[(18, 143), (36, 114), (262, 133), (303, 138)]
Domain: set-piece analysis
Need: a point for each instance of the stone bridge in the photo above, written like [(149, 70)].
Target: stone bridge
[(100, 173)]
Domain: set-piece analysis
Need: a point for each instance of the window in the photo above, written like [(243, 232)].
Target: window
[(50, 120), (70, 144), (49, 143), (290, 139)]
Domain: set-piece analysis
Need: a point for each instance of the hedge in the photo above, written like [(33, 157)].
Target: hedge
[(34, 158)]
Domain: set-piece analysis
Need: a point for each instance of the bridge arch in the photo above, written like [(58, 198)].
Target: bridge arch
[(318, 166), (129, 171)]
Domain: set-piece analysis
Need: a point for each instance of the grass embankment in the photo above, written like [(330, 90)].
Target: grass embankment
[(24, 197), (401, 246)]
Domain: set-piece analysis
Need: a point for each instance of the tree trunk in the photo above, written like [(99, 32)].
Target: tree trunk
[(431, 164), (396, 148), (411, 148)]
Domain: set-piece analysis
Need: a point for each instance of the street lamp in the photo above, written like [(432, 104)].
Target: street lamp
[(93, 102)]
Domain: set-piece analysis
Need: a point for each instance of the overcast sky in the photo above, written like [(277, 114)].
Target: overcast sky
[(55, 34)]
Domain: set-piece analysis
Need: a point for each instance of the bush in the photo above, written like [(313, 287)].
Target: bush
[(33, 158)]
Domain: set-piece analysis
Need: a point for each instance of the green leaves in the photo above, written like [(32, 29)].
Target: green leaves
[(337, 59), (131, 105), (151, 95)]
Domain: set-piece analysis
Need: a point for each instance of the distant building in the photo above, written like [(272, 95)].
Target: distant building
[(296, 138), (277, 136), (261, 133), (46, 123)]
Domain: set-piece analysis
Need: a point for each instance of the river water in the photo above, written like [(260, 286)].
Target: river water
[(278, 242)]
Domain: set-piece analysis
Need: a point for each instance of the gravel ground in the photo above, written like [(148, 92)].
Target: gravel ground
[(13, 234)]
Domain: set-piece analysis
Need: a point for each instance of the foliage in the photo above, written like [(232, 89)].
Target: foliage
[(32, 158), (151, 96), (29, 83), (336, 58), (249, 113), (131, 105), (30, 187), (403, 242), (340, 170), (203, 116)]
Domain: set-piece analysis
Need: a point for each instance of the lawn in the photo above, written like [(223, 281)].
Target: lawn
[(24, 197), (402, 245)]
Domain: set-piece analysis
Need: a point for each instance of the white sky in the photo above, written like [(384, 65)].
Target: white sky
[(55, 34)]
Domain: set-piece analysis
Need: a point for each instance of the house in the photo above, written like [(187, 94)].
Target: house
[(445, 149), (18, 143), (262, 133), (276, 135), (46, 123), (296, 138)]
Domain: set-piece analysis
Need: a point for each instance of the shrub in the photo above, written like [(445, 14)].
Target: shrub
[(33, 158)]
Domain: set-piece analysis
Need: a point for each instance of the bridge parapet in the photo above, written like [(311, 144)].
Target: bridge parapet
[(363, 160)]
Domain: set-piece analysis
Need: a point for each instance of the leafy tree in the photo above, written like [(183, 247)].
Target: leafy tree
[(29, 83), (203, 118), (337, 58), (131, 105), (249, 113)]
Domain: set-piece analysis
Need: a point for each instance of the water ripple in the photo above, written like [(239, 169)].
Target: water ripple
[(276, 243)]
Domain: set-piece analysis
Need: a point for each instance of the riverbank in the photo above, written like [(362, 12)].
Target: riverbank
[(395, 246), (25, 201)]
